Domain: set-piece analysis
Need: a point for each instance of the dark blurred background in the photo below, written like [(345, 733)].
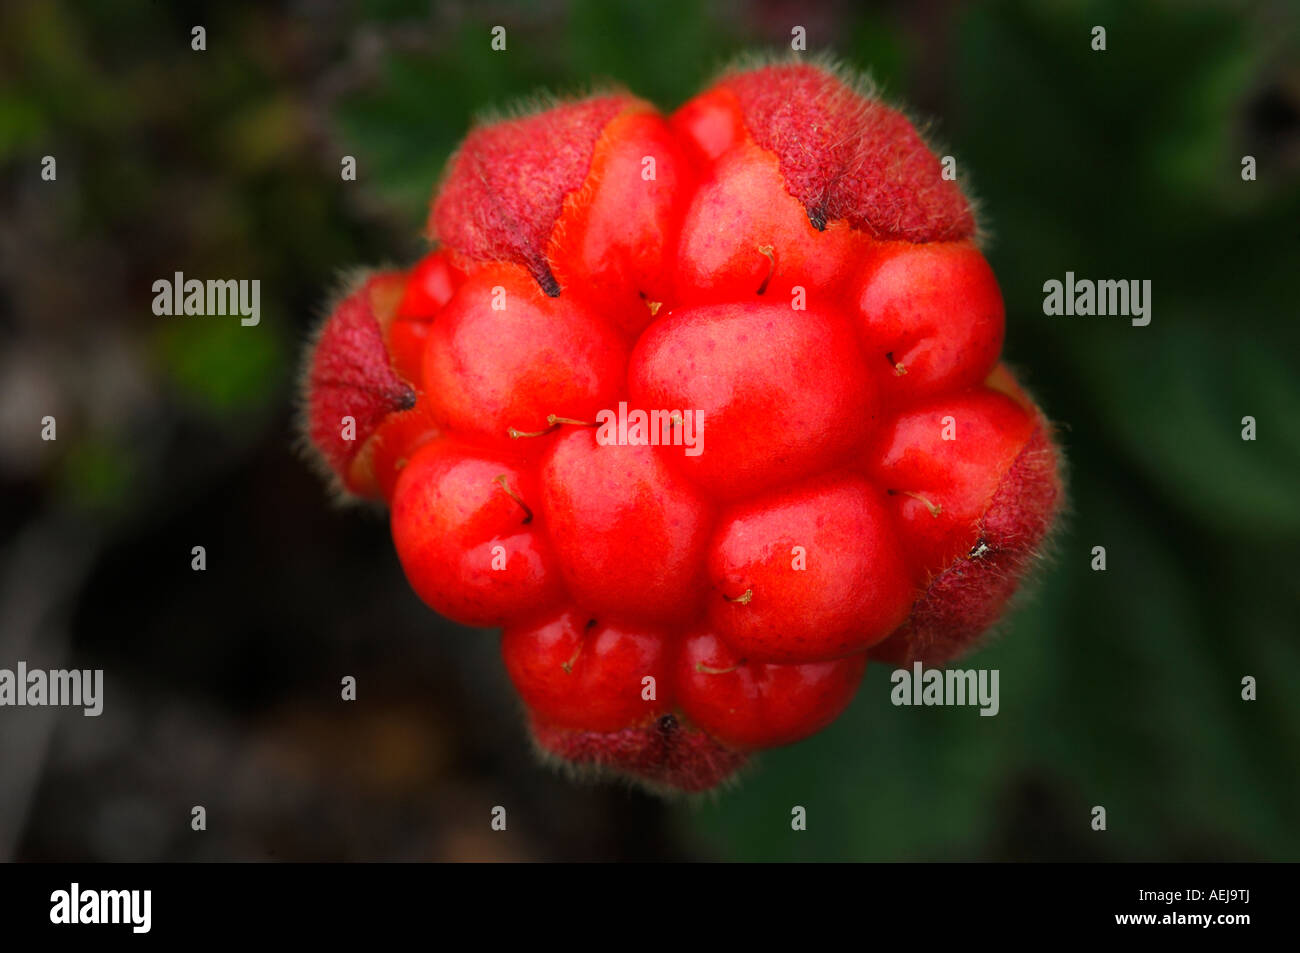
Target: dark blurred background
[(1119, 688)]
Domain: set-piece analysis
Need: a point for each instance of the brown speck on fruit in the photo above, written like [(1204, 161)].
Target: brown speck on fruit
[(770, 253), (934, 508), (654, 306), (528, 513), (573, 659)]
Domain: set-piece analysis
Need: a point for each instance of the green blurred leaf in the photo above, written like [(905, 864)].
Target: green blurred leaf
[(222, 367), (98, 474)]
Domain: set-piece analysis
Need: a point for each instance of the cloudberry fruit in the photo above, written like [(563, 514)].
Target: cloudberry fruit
[(810, 572), (751, 705), (470, 547), (703, 411), (548, 659), (629, 531), (503, 355), (766, 422)]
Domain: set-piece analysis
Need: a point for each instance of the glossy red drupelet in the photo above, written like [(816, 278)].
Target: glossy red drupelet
[(832, 466)]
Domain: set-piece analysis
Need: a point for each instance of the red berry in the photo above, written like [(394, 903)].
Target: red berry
[(393, 443), (750, 704), (828, 465), (591, 675), (709, 125), (629, 532), (431, 284), (468, 537), (611, 242), (930, 314), (964, 599), (942, 463), (808, 574), (784, 393), (768, 246), (501, 355)]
